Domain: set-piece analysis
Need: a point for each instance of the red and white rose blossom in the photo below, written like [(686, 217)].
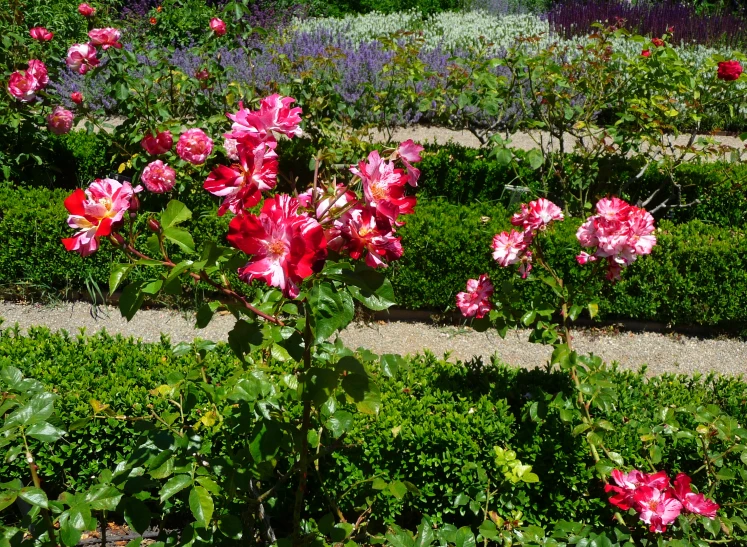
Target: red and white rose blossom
[(655, 501), (95, 211), (82, 57), (285, 247), (241, 184), (475, 301), (619, 233)]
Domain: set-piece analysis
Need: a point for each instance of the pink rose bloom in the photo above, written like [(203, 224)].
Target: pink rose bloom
[(39, 71), (628, 483), (81, 57), (285, 247), (729, 70), (160, 144), (23, 86), (537, 215), (202, 74), (694, 503), (657, 508), (94, 212), (274, 114), (613, 209), (475, 302), (619, 232), (384, 187), (646, 53), (217, 26), (86, 11), (409, 153), (242, 183), (361, 229), (60, 121), (158, 177), (40, 34), (105, 37), (76, 97), (194, 146), (508, 247)]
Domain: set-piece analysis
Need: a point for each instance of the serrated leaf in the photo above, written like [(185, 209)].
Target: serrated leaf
[(176, 213), (103, 497), (201, 505), (34, 496), (173, 486), (118, 274), (180, 237), (45, 432)]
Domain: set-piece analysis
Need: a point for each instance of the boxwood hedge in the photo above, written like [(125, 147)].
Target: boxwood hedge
[(436, 417)]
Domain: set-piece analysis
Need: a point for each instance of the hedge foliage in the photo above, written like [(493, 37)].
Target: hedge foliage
[(465, 175), (683, 282), (436, 417)]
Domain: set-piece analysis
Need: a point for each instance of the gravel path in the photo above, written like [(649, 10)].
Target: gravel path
[(663, 353)]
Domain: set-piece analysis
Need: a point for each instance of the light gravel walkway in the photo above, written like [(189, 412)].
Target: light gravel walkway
[(662, 353)]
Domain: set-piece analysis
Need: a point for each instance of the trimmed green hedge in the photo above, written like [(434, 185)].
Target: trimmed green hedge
[(445, 416), (466, 175), (696, 275)]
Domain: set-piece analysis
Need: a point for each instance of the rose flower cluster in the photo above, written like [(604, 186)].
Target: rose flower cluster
[(619, 233), (291, 236), (657, 503)]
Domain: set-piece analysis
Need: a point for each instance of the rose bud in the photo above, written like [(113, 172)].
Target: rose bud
[(153, 225)]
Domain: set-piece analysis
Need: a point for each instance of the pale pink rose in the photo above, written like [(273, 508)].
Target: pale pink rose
[(657, 508), (694, 503), (82, 57), (105, 37), (475, 301), (229, 145), (60, 121), (23, 86), (40, 34), (39, 71), (194, 146), (86, 11), (508, 247), (537, 215), (76, 97), (217, 26), (158, 177)]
